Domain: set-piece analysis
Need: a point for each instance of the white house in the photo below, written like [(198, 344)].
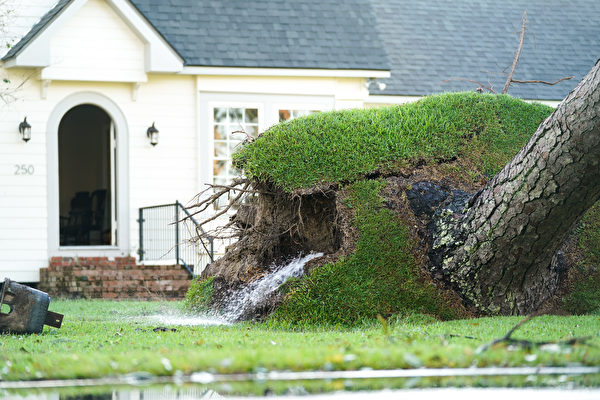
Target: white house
[(92, 76), (94, 79)]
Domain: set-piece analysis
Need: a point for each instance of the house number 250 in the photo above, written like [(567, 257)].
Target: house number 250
[(24, 169)]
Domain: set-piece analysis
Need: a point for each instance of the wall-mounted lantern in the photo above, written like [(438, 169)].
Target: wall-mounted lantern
[(372, 81), (152, 134), (25, 130)]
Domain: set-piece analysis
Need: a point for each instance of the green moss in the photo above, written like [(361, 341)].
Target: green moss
[(199, 295), (484, 130), (380, 277), (584, 296)]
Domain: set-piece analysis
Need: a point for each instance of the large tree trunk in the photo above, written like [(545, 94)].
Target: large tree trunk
[(502, 254)]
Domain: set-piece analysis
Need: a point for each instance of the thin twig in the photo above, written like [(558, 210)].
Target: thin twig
[(225, 209), (204, 204), (544, 82), (248, 137), (236, 188), (517, 55), (528, 343)]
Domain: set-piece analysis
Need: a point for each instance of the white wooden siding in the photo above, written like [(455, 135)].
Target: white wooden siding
[(97, 45), (160, 174)]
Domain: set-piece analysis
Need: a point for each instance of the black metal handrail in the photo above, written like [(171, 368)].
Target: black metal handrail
[(170, 228)]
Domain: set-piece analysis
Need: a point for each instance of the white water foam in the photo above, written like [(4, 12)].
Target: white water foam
[(247, 298), (186, 320), (258, 291)]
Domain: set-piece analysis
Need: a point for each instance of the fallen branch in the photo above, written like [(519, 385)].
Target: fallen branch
[(528, 344), (544, 82)]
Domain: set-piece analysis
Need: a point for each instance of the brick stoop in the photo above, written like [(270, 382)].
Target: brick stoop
[(121, 278)]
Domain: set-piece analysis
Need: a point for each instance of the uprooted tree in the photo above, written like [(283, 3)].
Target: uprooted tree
[(496, 245), (502, 253)]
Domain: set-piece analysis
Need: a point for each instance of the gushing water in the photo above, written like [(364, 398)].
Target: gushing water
[(258, 291), (241, 301)]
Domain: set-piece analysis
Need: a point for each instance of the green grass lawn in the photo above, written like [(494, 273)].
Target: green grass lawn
[(101, 338)]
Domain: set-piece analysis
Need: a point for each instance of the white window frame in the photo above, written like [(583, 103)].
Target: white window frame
[(211, 123), (298, 106), (268, 106)]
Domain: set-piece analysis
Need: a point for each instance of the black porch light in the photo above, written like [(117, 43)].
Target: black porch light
[(25, 130), (152, 134)]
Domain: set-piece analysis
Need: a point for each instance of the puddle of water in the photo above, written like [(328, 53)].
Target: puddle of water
[(329, 390), (520, 376)]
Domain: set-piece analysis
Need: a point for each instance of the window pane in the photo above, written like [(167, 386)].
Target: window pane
[(221, 149), (252, 130), (235, 114), (220, 114), (233, 146), (220, 132), (226, 142), (302, 113), (220, 168), (284, 115), (251, 115), (237, 136)]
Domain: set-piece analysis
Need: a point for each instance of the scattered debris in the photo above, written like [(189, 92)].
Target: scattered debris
[(164, 329)]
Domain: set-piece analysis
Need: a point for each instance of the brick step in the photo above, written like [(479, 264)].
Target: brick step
[(121, 278)]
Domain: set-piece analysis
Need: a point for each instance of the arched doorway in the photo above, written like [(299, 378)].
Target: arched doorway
[(86, 172), (100, 108)]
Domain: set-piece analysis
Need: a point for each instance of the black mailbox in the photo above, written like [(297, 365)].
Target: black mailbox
[(24, 309)]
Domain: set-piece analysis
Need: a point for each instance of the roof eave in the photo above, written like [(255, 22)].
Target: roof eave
[(285, 72)]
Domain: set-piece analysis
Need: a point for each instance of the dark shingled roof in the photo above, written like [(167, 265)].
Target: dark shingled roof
[(429, 41), (426, 41), (36, 29), (323, 34)]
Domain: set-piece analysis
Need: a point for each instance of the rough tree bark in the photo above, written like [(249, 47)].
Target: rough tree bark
[(502, 253)]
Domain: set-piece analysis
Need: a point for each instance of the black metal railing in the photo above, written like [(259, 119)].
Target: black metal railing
[(169, 232)]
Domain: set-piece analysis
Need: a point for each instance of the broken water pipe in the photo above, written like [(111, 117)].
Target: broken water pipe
[(24, 309)]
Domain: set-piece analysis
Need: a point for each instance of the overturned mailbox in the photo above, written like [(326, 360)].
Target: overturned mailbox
[(24, 309)]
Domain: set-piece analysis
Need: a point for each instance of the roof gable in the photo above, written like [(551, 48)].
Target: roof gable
[(33, 50)]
